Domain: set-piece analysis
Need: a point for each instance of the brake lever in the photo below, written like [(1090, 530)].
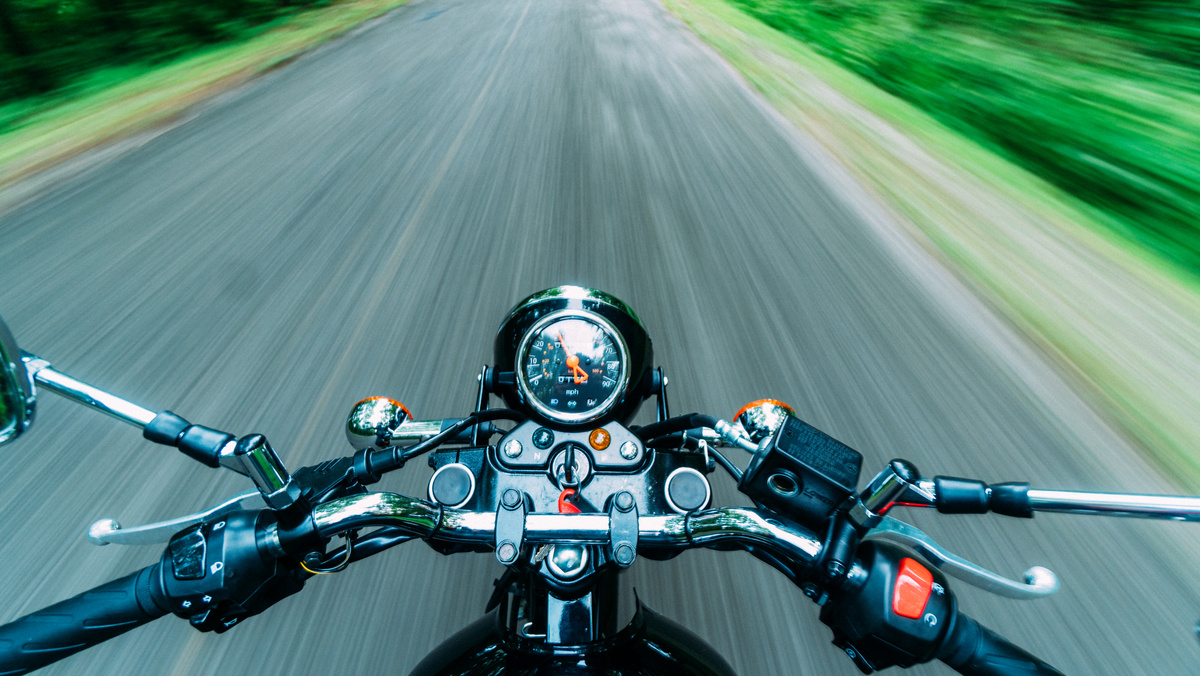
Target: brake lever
[(108, 531), (1038, 582)]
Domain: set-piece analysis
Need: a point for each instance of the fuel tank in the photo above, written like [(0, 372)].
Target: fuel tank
[(651, 645)]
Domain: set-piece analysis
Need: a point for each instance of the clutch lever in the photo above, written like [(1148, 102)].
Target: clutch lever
[(1038, 582), (108, 531)]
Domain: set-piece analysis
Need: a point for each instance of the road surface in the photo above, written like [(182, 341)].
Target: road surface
[(359, 222)]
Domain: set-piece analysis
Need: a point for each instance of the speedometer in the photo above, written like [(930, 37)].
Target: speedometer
[(572, 366)]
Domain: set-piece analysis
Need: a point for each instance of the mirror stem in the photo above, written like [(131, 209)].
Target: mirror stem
[(79, 391)]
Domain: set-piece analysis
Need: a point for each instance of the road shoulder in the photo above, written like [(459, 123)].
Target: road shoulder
[(1118, 322)]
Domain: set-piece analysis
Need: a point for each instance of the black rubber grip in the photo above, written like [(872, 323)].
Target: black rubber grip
[(972, 649), (960, 496), (195, 441), (1011, 499), (83, 621)]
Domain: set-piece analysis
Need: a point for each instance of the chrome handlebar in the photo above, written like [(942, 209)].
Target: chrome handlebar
[(726, 525)]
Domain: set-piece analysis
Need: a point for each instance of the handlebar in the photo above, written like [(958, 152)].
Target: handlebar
[(972, 649), (727, 525), (82, 621), (111, 609)]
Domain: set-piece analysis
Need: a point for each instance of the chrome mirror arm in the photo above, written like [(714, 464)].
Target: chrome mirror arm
[(1038, 582), (1166, 507), (108, 531), (78, 391)]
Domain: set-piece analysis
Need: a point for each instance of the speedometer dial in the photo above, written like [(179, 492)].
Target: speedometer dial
[(572, 367)]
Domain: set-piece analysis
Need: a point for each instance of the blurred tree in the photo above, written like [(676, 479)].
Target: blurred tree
[(21, 53)]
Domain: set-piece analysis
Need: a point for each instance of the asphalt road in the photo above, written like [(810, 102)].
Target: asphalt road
[(359, 222)]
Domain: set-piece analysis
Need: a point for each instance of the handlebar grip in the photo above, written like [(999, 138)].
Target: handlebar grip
[(974, 650), (195, 441), (96, 615)]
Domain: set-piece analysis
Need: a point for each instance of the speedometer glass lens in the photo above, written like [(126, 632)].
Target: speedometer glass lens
[(572, 369)]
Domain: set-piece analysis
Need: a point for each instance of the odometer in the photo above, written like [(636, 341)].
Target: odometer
[(572, 367)]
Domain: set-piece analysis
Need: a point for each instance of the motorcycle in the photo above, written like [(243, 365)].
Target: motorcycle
[(567, 497)]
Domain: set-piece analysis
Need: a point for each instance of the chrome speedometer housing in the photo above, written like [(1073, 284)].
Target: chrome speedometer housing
[(614, 327)]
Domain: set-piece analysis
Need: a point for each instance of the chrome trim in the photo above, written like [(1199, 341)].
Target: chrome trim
[(512, 448), (699, 529), (385, 509), (15, 374), (229, 459), (109, 532), (1039, 581), (762, 418), (270, 541), (732, 436), (667, 489), (576, 293), (266, 469), (1167, 507), (415, 431), (888, 489), (470, 475), (580, 561), (738, 524), (523, 379), (79, 391), (374, 417)]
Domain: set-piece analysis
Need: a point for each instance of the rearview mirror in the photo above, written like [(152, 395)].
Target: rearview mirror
[(17, 395)]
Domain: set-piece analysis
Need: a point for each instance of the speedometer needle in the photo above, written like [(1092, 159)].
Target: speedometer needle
[(581, 376)]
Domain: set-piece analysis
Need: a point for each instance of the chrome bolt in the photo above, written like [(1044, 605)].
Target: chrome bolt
[(512, 448), (624, 554), (506, 552), (567, 561), (624, 501), (629, 450), (510, 498)]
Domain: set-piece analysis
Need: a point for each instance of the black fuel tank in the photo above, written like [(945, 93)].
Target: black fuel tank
[(652, 645)]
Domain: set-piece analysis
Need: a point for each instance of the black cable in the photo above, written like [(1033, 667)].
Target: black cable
[(679, 423), (384, 538), (724, 463), (390, 459)]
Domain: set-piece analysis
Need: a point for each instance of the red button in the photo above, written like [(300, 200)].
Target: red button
[(913, 585)]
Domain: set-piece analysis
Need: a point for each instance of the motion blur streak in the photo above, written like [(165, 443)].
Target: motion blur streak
[(300, 245)]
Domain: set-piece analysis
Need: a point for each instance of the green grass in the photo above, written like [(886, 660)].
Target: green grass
[(110, 103), (1099, 98), (1119, 317)]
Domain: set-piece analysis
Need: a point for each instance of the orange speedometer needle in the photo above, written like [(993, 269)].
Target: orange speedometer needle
[(581, 376)]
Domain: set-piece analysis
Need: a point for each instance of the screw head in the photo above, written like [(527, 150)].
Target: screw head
[(512, 448), (506, 552), (567, 561), (624, 554), (624, 501), (510, 498), (629, 450)]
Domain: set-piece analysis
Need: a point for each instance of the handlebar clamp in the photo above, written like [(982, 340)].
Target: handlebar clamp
[(510, 526)]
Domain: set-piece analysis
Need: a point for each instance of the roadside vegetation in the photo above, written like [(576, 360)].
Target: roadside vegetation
[(80, 85), (1092, 283), (1099, 97), (49, 45)]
